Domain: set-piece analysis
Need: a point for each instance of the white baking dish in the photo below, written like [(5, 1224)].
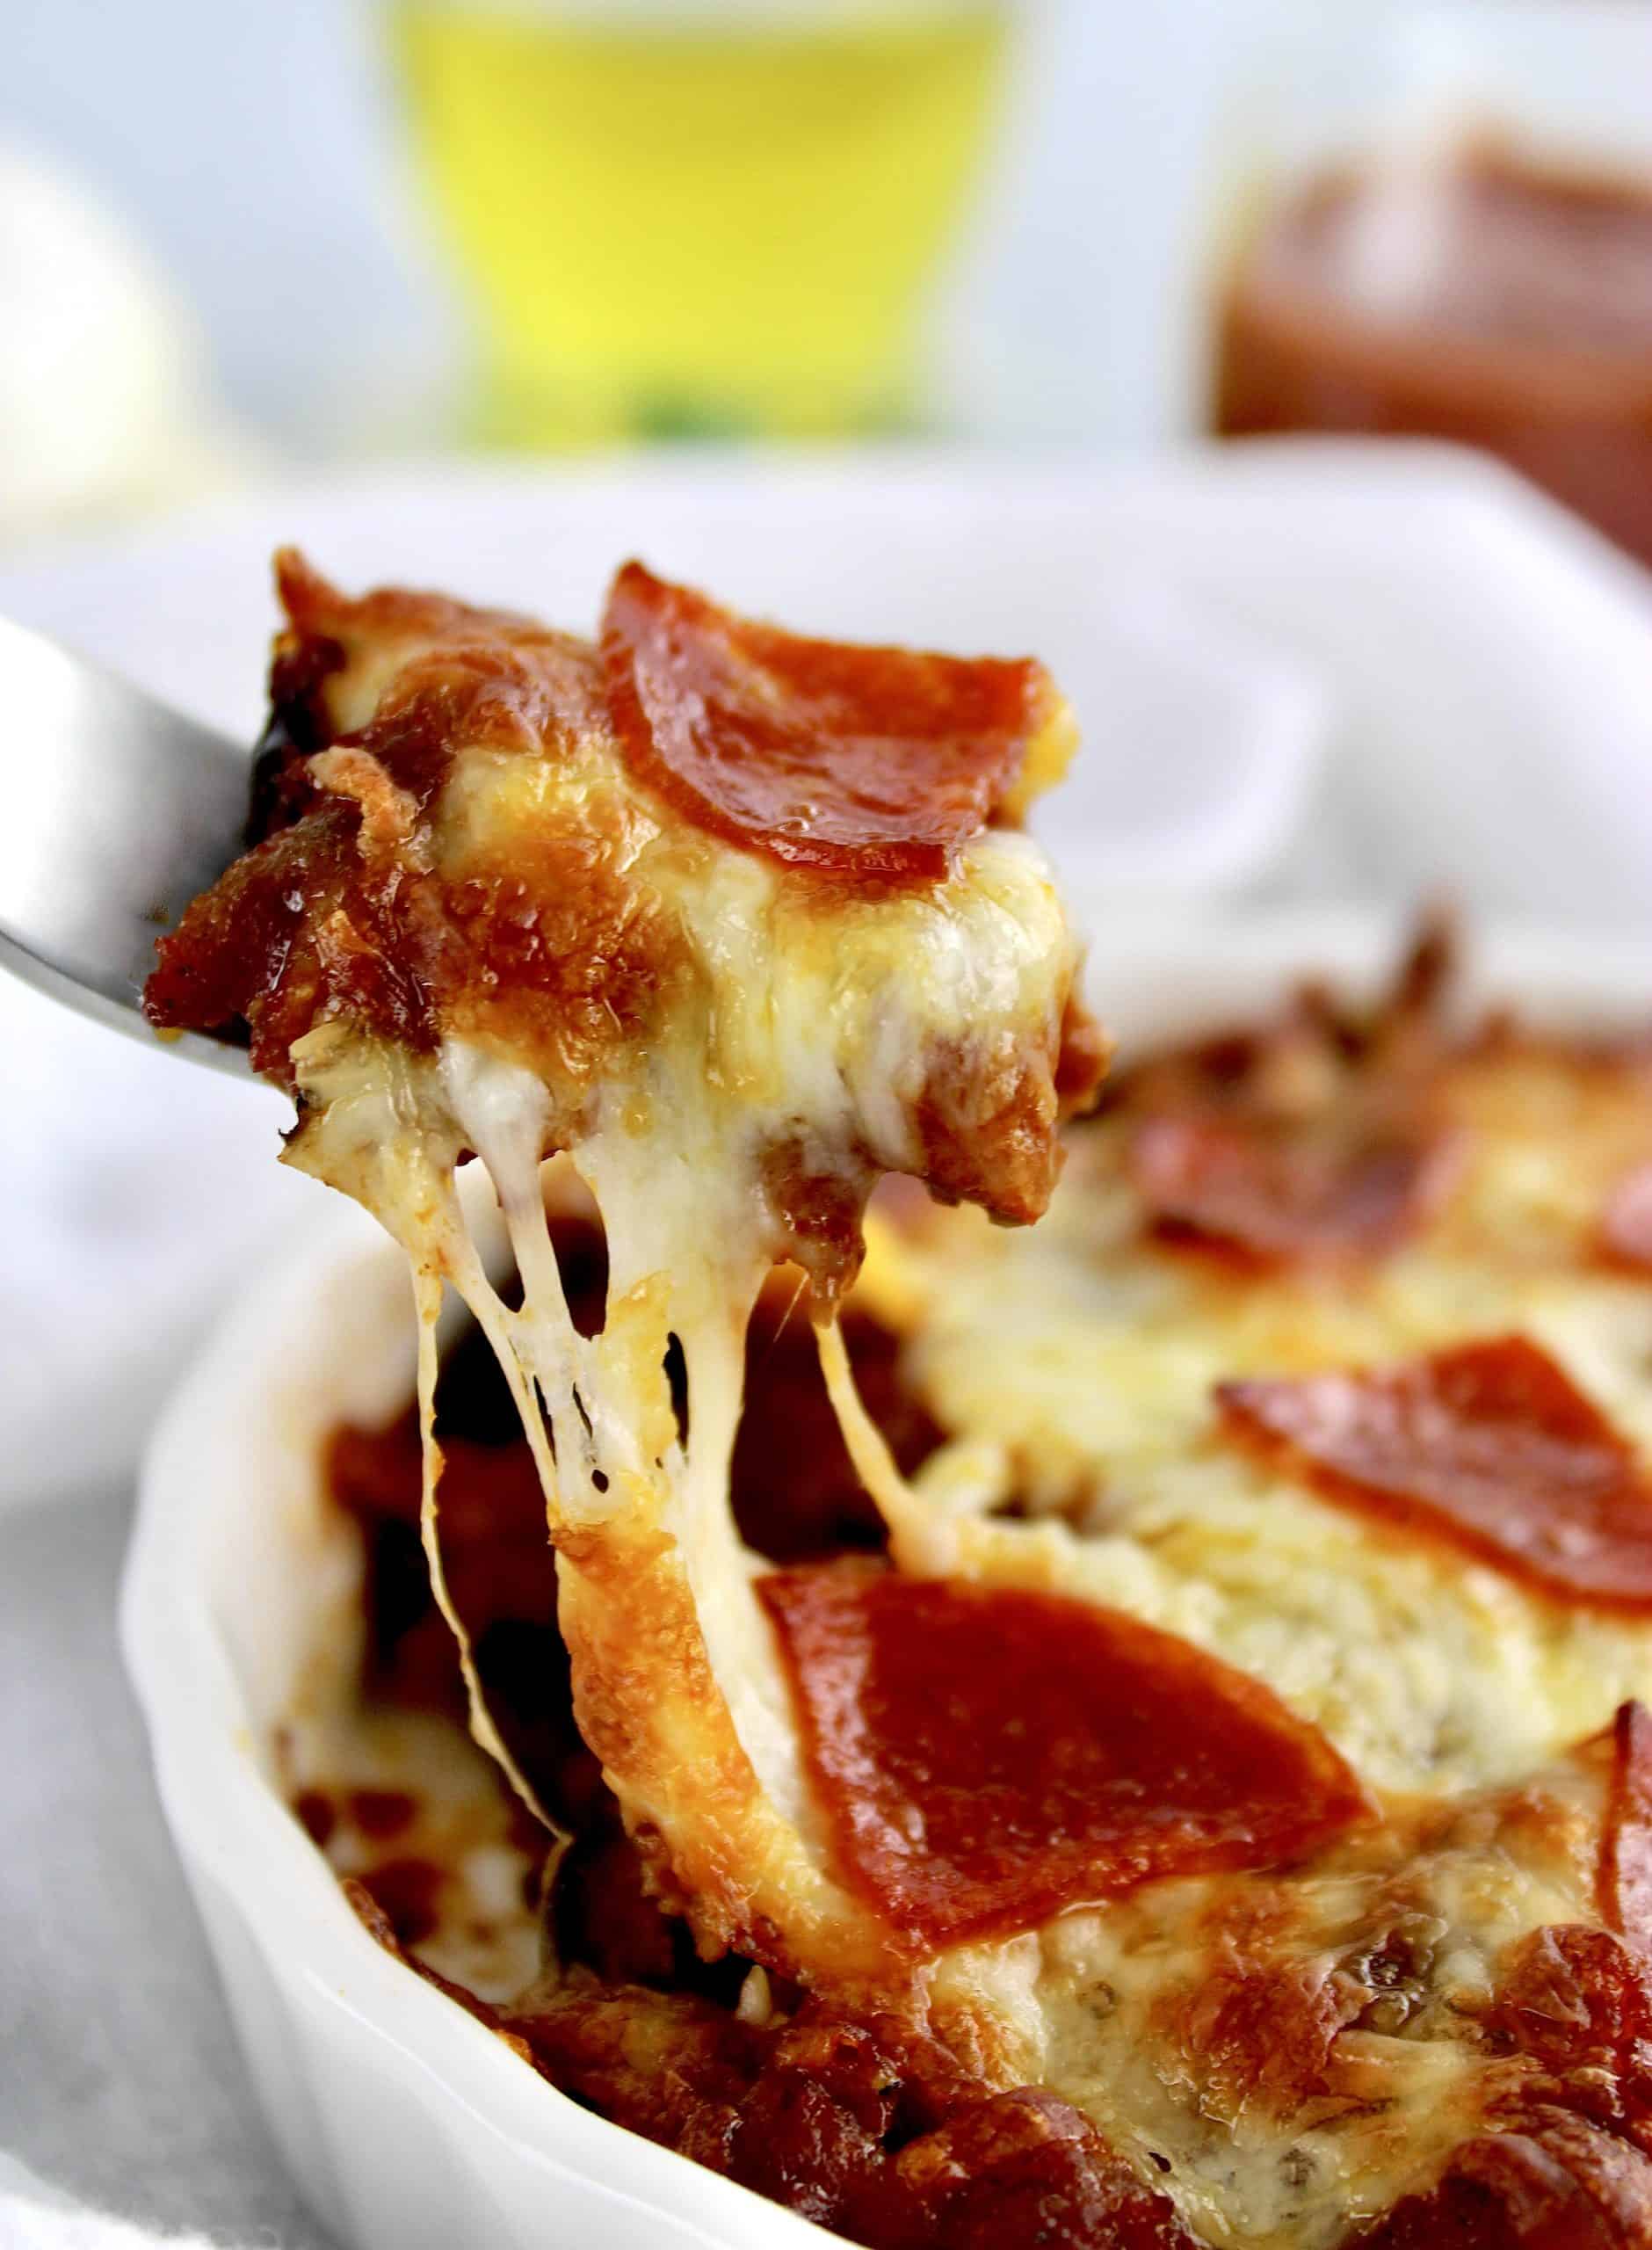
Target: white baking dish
[(407, 2124)]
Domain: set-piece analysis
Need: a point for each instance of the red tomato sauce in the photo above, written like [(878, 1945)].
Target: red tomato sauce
[(1511, 310)]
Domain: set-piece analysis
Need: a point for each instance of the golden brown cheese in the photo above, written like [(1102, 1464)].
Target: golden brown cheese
[(1401, 2020), (1075, 1370), (1334, 1201), (506, 940)]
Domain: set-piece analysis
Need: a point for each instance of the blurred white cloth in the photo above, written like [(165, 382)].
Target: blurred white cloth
[(140, 1189), (121, 2086), (1302, 672), (38, 2217)]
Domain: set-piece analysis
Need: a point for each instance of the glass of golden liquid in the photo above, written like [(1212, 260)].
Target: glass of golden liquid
[(694, 219)]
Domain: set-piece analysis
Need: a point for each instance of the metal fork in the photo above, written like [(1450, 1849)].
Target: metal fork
[(117, 811)]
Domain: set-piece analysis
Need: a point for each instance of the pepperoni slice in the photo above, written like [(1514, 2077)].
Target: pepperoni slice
[(1287, 1196), (1489, 1445), (1626, 1849), (878, 763), (988, 1756), (1626, 1232)]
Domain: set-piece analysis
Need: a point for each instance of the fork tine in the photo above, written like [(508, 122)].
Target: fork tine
[(117, 811)]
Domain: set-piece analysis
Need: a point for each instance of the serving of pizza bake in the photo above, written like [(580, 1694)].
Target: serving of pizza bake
[(1003, 1655)]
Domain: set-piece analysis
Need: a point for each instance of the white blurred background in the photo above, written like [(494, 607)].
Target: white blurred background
[(228, 239), (255, 148)]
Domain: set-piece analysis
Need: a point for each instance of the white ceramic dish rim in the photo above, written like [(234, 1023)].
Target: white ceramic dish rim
[(246, 1856)]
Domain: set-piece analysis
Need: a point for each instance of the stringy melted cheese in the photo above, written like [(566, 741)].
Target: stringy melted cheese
[(818, 1026), (778, 1046), (1072, 1369)]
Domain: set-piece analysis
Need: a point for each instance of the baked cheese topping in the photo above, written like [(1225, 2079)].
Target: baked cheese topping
[(1324, 1823), (1290, 2056), (1306, 2051), (732, 1046), (1076, 1371)]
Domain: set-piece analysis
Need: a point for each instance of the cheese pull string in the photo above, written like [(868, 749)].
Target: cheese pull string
[(922, 1543), (543, 1347), (427, 1292)]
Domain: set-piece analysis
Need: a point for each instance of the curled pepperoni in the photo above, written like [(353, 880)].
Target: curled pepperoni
[(1560, 2184), (1286, 1196), (1626, 1851), (1489, 1445), (877, 762), (989, 1756), (1578, 2001)]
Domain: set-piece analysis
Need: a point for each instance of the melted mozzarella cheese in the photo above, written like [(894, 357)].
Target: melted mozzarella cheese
[(1073, 1369), (1182, 2018), (815, 1026), (781, 1038)]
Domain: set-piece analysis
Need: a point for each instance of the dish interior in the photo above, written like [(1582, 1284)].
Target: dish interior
[(1456, 1691)]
